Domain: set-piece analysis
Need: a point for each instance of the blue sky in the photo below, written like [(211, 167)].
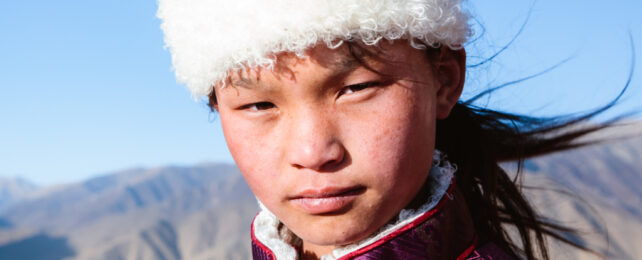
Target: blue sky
[(86, 87)]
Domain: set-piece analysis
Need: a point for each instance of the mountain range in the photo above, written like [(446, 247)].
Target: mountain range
[(204, 211), (198, 212)]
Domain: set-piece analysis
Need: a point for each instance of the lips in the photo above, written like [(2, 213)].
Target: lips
[(326, 200)]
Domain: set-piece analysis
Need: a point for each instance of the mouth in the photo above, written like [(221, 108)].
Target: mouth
[(327, 200)]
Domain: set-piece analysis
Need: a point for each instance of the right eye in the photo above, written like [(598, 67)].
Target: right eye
[(258, 106), (359, 87)]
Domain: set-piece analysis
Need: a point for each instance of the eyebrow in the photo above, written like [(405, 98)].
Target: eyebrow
[(345, 65), (243, 81), (338, 67)]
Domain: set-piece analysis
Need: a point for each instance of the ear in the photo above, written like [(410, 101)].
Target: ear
[(451, 74), (212, 102)]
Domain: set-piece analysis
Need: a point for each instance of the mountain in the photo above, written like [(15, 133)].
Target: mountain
[(195, 212), (597, 190), (204, 211), (13, 190)]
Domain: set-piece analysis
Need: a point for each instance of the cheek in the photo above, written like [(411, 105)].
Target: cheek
[(251, 152), (398, 147)]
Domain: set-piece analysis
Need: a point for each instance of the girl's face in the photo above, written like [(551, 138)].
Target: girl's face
[(333, 149)]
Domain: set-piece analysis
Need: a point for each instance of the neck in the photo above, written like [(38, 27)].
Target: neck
[(311, 251)]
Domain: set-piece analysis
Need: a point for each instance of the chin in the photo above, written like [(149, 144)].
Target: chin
[(334, 239), (335, 230)]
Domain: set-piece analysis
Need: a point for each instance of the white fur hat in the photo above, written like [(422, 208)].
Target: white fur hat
[(209, 38)]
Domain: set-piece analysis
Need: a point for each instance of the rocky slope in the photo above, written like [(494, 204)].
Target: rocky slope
[(200, 212), (596, 189)]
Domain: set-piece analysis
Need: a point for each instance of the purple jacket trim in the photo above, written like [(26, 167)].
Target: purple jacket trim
[(488, 251), (260, 253)]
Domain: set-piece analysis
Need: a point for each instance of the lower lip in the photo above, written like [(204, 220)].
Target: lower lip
[(325, 205)]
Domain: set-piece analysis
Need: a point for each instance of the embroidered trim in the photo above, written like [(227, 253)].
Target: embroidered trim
[(265, 230), (259, 244)]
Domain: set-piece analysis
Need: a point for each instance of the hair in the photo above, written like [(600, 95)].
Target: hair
[(477, 140)]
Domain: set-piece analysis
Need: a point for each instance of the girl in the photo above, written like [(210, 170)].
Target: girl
[(344, 118)]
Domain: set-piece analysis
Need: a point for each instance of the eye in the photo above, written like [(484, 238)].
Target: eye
[(358, 87), (258, 106)]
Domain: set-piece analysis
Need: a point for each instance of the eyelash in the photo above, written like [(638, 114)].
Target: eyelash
[(359, 87), (258, 106)]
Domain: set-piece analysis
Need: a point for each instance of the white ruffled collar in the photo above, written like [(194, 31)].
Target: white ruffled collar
[(266, 225)]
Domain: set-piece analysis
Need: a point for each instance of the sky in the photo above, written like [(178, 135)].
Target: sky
[(86, 87)]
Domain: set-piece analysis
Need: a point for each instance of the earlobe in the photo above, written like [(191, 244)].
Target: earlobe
[(451, 74)]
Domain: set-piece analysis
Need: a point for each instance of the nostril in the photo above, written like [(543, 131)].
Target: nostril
[(331, 162), (328, 164), (333, 165)]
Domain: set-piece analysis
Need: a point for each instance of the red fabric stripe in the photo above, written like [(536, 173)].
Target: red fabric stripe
[(468, 250), (256, 241), (405, 228)]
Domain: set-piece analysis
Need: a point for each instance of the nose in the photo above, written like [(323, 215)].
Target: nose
[(314, 142)]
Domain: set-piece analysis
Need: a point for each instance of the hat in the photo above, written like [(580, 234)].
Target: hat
[(209, 38)]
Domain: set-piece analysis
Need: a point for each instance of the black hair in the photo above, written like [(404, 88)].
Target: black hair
[(478, 139)]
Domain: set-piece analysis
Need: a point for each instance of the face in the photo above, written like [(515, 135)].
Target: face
[(332, 148)]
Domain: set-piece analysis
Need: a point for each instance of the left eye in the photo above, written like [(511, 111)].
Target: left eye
[(358, 87), (258, 106)]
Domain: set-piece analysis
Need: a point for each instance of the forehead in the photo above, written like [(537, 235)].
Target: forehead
[(338, 60), (385, 58)]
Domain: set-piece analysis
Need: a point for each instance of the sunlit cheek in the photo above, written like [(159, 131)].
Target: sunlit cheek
[(247, 148), (389, 138), (399, 139)]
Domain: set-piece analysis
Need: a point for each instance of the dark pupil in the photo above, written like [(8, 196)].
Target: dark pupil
[(361, 86), (263, 105)]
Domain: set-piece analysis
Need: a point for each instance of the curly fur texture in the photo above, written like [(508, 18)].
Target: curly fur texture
[(210, 38)]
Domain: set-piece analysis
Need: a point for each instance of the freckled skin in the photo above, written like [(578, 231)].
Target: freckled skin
[(381, 138)]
